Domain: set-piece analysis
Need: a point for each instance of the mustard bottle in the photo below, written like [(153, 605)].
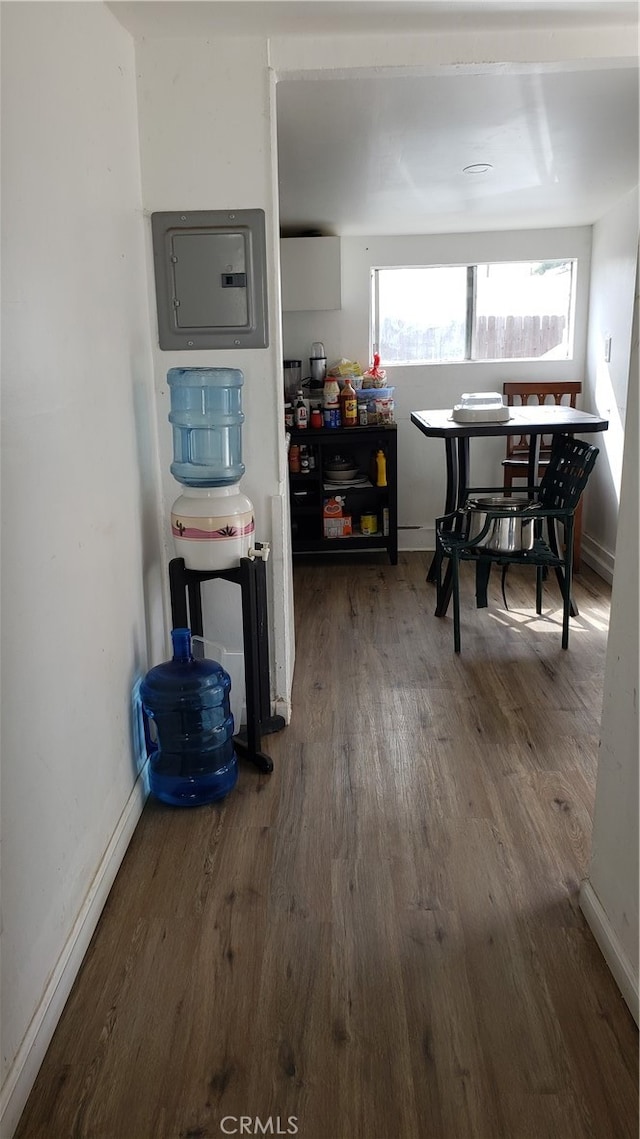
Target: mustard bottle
[(381, 466)]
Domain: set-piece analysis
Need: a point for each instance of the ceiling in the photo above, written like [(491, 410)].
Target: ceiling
[(383, 153)]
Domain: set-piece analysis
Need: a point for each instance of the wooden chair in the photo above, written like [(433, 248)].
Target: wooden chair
[(553, 503), (515, 464)]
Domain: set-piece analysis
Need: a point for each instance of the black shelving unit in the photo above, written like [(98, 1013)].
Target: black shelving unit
[(308, 492)]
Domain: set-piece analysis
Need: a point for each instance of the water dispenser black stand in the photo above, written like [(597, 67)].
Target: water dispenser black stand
[(186, 612)]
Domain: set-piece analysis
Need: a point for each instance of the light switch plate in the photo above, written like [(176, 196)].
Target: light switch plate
[(210, 273)]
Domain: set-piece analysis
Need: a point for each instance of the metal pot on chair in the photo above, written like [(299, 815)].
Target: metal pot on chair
[(508, 533)]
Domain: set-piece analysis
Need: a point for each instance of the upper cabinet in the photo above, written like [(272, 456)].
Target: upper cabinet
[(310, 273)]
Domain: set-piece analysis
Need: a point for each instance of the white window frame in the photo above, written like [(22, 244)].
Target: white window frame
[(468, 358)]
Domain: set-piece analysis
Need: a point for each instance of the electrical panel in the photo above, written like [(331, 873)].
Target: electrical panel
[(210, 272)]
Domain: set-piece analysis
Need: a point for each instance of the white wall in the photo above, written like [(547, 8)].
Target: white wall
[(609, 897), (204, 148), (613, 269), (421, 468), (81, 596)]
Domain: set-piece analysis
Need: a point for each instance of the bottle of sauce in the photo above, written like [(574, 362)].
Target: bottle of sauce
[(331, 402), (381, 468), (349, 405), (294, 459), (301, 416)]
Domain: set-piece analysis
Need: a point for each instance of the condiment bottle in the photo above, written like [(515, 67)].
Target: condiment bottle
[(316, 417), (381, 467), (301, 416), (304, 460), (349, 405), (294, 459), (331, 401)]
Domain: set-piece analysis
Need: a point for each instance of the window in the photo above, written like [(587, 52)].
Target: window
[(512, 310)]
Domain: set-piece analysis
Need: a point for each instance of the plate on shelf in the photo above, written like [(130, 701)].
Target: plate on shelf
[(346, 475), (329, 484)]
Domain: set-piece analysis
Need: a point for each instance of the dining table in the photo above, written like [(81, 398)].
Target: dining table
[(533, 421)]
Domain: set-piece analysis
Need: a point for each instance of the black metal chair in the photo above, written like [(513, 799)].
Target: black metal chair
[(553, 501)]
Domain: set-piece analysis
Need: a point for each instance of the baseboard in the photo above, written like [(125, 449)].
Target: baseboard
[(417, 538), (597, 558), (22, 1074), (610, 946)]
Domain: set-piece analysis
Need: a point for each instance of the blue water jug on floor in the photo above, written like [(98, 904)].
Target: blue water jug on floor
[(188, 728), (206, 418)]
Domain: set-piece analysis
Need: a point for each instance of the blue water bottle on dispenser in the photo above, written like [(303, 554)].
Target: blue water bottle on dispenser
[(206, 417), (191, 754)]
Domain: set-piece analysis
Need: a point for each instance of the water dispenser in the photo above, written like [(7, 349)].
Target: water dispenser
[(212, 522)]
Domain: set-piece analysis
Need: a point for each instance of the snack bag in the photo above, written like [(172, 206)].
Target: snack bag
[(375, 377), (347, 368)]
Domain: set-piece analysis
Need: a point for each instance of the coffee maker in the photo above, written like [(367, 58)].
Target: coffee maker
[(292, 378)]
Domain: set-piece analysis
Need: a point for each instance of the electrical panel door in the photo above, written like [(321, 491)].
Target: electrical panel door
[(210, 279)]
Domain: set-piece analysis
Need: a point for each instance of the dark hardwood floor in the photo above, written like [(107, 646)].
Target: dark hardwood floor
[(382, 939)]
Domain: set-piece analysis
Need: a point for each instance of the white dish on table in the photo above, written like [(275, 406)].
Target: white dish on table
[(481, 407)]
